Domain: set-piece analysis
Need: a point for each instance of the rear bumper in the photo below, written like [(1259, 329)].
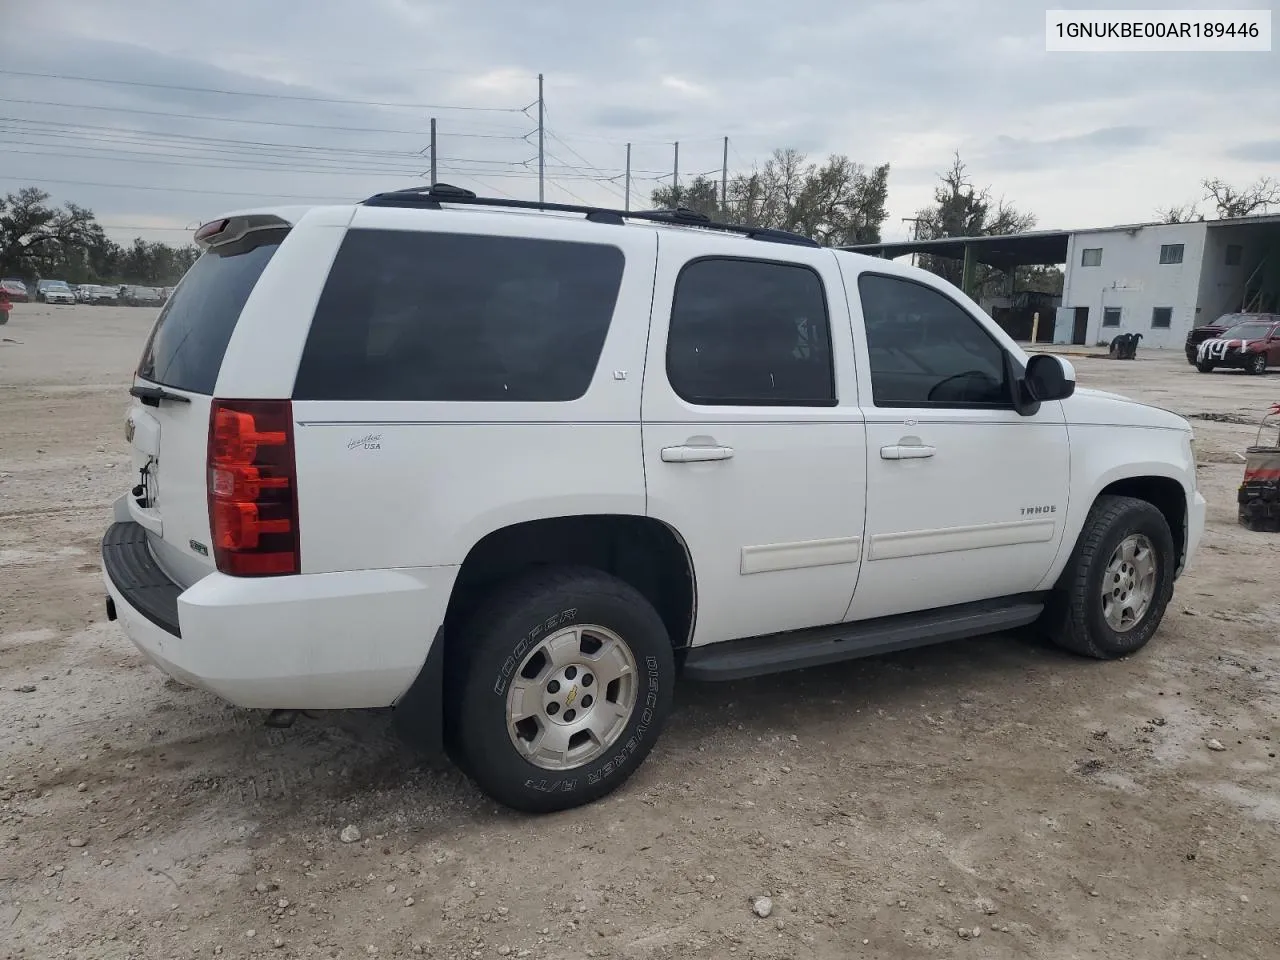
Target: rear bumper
[(309, 642)]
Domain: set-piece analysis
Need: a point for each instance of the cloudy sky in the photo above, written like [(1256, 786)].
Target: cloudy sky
[(160, 113)]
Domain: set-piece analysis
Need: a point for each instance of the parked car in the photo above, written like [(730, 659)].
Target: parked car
[(1251, 346), (16, 290), (100, 295), (729, 444), (54, 291), (135, 296), (1210, 331)]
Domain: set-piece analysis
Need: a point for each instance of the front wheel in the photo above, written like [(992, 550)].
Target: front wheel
[(1258, 364), (1118, 582), (561, 687), (1204, 366)]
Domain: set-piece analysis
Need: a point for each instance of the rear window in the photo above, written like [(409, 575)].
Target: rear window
[(190, 337), (454, 317)]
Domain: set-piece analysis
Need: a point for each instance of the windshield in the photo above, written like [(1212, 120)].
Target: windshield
[(1248, 331), (190, 337)]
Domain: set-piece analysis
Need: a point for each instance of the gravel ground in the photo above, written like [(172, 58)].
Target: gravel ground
[(987, 799)]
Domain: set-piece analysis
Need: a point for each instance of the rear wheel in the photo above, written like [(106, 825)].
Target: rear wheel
[(1204, 366), (1118, 582), (1257, 364), (562, 685)]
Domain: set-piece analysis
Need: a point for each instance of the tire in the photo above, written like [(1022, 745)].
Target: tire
[(1204, 366), (1075, 617), (512, 636), (1258, 364)]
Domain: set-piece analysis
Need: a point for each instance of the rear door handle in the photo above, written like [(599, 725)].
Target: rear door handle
[(903, 451), (695, 454)]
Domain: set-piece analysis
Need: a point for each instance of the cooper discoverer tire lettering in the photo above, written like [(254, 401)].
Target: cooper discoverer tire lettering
[(1114, 591), (559, 690)]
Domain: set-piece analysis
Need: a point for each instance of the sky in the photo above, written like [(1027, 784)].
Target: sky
[(183, 110)]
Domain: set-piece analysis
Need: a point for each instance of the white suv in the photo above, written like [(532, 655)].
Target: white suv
[(513, 467)]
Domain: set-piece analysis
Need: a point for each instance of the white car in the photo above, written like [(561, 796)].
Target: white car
[(55, 291), (513, 467)]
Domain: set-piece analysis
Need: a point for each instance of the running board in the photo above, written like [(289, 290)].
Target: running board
[(797, 649)]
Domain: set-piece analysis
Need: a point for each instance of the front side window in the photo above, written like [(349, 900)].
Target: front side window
[(925, 350), (1091, 257), (750, 333), (1161, 318), (1171, 253), (411, 315)]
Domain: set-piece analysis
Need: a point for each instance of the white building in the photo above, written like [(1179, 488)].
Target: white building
[(1156, 279), (1161, 279)]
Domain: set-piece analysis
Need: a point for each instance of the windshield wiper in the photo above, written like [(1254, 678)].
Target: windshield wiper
[(153, 395)]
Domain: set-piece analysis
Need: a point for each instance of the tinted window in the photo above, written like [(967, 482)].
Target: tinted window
[(747, 332), (437, 316), (190, 337), (925, 350)]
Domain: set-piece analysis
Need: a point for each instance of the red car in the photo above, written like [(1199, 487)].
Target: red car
[(15, 290), (1251, 346), (1211, 331)]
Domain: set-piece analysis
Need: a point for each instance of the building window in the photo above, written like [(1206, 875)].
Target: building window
[(1091, 257), (1170, 253), (1235, 254), (1111, 317), (1162, 317)]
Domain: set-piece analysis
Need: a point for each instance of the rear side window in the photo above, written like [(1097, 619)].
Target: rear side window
[(750, 333), (189, 340), (454, 317)]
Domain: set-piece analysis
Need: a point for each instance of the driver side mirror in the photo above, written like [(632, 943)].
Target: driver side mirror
[(1046, 378)]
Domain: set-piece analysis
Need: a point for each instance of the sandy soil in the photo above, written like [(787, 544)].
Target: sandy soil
[(1039, 804)]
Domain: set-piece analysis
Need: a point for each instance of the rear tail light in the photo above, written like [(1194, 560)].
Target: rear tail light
[(253, 495)]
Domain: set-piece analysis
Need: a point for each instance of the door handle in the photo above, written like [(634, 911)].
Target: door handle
[(906, 451), (695, 454)]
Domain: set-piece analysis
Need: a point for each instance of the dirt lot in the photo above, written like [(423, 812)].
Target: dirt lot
[(1041, 805)]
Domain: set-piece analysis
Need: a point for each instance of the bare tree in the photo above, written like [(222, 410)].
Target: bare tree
[(1179, 213), (839, 202), (1233, 202)]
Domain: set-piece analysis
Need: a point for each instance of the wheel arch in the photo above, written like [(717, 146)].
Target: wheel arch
[(647, 553)]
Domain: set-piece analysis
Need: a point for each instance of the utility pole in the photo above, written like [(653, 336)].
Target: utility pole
[(915, 233), (541, 144), (675, 176), (724, 178), (626, 204), (433, 151)]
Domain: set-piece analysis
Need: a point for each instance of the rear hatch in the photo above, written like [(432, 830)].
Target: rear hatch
[(168, 425)]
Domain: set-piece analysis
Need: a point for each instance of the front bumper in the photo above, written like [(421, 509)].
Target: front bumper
[(1195, 528), (309, 642)]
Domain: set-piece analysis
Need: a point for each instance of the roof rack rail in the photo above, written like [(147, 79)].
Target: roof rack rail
[(430, 198)]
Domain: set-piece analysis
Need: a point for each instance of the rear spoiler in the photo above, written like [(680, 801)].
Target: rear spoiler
[(229, 229)]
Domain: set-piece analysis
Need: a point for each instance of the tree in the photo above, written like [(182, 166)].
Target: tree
[(839, 202), (1233, 202), (34, 234), (1179, 213), (962, 210), (38, 240)]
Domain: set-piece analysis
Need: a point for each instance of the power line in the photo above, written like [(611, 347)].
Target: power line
[(212, 119), (137, 186), (70, 126), (259, 95)]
